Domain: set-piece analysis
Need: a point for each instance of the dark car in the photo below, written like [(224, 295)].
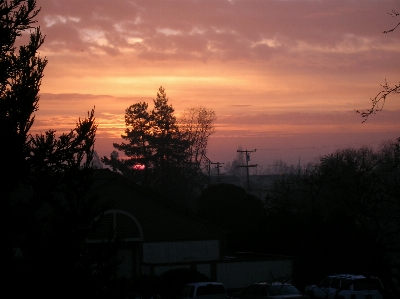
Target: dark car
[(270, 290)]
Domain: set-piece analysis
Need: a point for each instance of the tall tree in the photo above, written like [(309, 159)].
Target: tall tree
[(162, 152), (45, 214), (20, 79), (169, 148), (138, 138), (154, 145), (197, 125)]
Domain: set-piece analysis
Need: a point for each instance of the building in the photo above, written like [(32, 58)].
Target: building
[(159, 235)]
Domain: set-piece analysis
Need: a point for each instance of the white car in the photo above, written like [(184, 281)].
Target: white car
[(347, 286)]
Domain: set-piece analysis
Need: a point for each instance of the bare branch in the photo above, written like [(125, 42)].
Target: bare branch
[(393, 14), (394, 28), (379, 100)]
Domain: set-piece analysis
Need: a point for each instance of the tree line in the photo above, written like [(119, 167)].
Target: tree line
[(339, 217)]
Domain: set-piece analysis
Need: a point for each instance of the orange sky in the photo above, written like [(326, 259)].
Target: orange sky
[(283, 77)]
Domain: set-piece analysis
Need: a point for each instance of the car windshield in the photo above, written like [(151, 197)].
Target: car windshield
[(282, 290)]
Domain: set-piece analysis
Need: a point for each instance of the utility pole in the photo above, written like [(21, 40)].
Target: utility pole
[(247, 165), (208, 167), (218, 167)]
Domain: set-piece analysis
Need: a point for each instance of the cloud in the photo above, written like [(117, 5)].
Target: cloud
[(265, 66), (213, 29)]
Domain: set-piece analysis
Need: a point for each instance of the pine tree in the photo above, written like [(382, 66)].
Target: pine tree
[(21, 73), (155, 147), (45, 215), (160, 153), (168, 145)]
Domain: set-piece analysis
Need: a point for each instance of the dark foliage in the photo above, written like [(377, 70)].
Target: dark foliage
[(241, 214), (159, 154), (340, 218), (46, 215)]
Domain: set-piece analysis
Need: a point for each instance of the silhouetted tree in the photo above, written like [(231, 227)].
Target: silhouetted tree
[(45, 215), (197, 125), (341, 217), (154, 142), (20, 79), (159, 153), (386, 196), (55, 217)]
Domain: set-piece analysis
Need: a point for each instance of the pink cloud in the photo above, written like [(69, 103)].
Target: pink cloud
[(278, 68)]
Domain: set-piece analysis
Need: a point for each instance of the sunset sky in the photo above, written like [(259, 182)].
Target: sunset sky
[(283, 76)]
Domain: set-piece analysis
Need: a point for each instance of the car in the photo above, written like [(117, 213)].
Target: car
[(204, 290), (270, 290), (347, 286)]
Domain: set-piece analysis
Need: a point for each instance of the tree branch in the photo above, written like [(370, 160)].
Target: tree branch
[(379, 100), (393, 14)]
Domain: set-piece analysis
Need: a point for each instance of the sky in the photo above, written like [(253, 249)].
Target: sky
[(284, 77)]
